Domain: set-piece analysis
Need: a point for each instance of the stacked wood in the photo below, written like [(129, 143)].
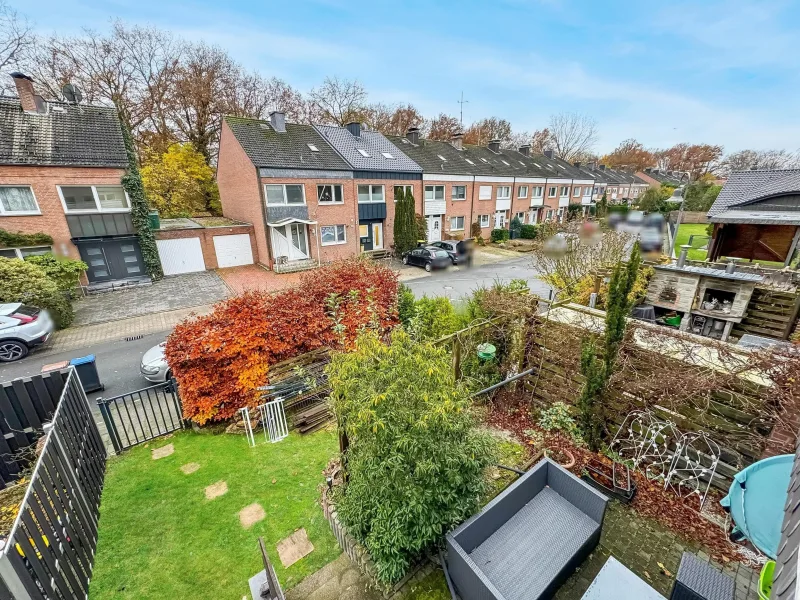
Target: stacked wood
[(313, 418)]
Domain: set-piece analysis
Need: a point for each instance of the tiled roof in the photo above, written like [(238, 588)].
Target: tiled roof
[(664, 177), (65, 135), (288, 150), (371, 142), (744, 187), (784, 581), (428, 154), (709, 272)]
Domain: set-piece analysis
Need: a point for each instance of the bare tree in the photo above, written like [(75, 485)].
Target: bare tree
[(392, 120), (15, 39), (745, 160), (572, 134), (339, 101)]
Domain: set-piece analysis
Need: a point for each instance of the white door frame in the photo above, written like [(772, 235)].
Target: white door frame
[(433, 221)]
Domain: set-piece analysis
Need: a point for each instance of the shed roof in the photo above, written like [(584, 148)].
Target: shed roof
[(745, 187)]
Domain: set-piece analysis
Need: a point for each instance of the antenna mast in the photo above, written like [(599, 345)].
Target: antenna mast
[(462, 102)]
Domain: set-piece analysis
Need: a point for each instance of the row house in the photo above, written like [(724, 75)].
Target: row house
[(618, 185), (658, 177), (61, 169)]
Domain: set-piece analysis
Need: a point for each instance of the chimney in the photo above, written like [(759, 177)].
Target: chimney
[(549, 154), (457, 139), (577, 164), (682, 256), (412, 135), (525, 150), (494, 145), (278, 121), (648, 169), (27, 95), (592, 165), (731, 266), (602, 167), (354, 127)]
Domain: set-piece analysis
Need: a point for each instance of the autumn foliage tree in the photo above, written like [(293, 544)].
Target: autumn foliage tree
[(179, 183), (222, 358)]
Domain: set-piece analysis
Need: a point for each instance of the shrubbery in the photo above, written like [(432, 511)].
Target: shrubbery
[(23, 281), (500, 235), (10, 239), (66, 272), (416, 459), (527, 232), (475, 230)]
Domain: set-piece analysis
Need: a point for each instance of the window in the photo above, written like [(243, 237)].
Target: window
[(370, 193), (521, 217), (522, 192), (407, 189), (363, 152), (503, 192), (587, 190), (102, 198), (537, 191), (441, 157), (23, 252), (434, 192), (565, 190), (330, 194), (17, 201), (387, 155), (549, 214), (551, 193), (312, 147), (484, 220), (576, 191), (485, 192), (459, 192), (456, 223), (285, 194), (333, 234)]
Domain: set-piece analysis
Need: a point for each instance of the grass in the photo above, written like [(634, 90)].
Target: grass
[(160, 538), (433, 587), (685, 231)]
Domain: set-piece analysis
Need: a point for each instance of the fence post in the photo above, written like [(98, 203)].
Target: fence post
[(110, 427)]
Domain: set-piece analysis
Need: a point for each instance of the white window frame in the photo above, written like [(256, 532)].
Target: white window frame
[(576, 191), (433, 189), (337, 242), (283, 186), (453, 193), (553, 191), (520, 193), (520, 216), (484, 220), (587, 191), (323, 185), (18, 251), (485, 192), (457, 228), (506, 189), (565, 191), (405, 189), (13, 213), (537, 191), (98, 209), (371, 193)]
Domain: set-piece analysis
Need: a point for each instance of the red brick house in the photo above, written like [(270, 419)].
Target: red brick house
[(61, 166)]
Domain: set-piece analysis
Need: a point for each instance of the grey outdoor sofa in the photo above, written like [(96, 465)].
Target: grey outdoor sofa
[(529, 539)]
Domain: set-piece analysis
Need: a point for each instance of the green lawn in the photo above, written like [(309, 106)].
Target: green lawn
[(160, 538), (685, 231)]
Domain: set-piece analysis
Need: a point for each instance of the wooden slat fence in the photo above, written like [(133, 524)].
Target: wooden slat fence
[(770, 313), (49, 553)]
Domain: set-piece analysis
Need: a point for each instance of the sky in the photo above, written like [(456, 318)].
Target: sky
[(699, 71)]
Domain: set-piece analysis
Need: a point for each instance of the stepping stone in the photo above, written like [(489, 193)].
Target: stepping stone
[(215, 490), (163, 451), (250, 515), (294, 547), (190, 468)]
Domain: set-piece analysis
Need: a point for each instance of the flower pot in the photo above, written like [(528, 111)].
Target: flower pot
[(563, 457)]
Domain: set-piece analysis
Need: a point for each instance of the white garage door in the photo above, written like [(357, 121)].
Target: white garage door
[(181, 256), (233, 250)]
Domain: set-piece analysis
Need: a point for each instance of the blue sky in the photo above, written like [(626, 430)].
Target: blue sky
[(722, 72)]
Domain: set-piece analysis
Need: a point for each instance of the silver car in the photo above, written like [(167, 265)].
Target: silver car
[(21, 328), (154, 365)]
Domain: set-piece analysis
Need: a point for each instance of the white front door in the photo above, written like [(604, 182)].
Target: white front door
[(435, 228), (290, 241), (532, 216), (500, 219)]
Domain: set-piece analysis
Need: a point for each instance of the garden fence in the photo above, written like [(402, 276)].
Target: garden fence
[(142, 415), (49, 552)]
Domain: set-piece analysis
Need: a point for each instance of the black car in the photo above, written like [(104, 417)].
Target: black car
[(428, 257), (455, 249)]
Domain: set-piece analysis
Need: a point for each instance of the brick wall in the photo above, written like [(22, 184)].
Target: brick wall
[(206, 235), (44, 182)]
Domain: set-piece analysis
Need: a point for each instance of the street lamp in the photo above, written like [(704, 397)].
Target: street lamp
[(680, 192)]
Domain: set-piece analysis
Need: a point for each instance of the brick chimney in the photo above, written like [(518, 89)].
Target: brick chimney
[(550, 154), (602, 167), (457, 140), (494, 145), (412, 135), (278, 121), (525, 150), (577, 164), (27, 94)]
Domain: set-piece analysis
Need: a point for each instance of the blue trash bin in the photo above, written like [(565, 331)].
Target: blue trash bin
[(86, 367)]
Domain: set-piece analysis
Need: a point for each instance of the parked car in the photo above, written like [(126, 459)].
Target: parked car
[(21, 328), (457, 250), (428, 257), (154, 365)]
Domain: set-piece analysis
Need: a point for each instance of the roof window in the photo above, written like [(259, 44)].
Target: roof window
[(469, 161), (363, 152), (312, 147), (441, 157), (387, 155), (484, 160)]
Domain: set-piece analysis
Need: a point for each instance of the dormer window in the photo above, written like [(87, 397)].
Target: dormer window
[(363, 152)]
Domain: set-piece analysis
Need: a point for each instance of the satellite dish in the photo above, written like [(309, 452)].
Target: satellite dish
[(71, 93)]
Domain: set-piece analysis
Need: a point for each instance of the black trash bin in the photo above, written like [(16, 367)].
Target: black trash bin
[(86, 368)]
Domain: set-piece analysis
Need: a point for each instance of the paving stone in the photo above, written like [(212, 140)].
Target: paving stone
[(294, 547), (215, 490), (252, 514), (190, 468), (162, 452)]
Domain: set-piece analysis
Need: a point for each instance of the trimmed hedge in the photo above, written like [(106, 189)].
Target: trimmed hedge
[(9, 239), (500, 235), (23, 281), (528, 232)]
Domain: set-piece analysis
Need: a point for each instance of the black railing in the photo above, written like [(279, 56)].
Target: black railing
[(143, 415)]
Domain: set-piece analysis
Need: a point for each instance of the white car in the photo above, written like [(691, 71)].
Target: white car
[(154, 365), (21, 328)]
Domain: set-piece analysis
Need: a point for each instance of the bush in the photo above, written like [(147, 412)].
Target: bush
[(406, 303), (500, 235), (23, 281), (416, 459), (433, 318), (9, 239), (475, 230), (421, 228), (66, 272), (220, 359), (515, 225), (527, 232), (405, 226)]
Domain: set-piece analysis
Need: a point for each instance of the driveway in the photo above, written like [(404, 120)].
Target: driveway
[(171, 293)]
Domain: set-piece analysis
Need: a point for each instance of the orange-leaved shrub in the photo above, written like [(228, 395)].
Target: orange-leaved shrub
[(220, 359)]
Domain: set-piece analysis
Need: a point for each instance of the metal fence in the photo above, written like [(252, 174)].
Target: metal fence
[(143, 415), (49, 553)]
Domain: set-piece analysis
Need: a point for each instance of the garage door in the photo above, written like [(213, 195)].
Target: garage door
[(181, 256), (233, 250)]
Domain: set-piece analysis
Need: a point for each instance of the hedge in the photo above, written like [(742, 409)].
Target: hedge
[(23, 281), (500, 235), (528, 232), (20, 240)]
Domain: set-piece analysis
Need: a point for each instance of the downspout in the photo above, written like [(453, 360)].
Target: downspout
[(472, 204), (319, 256), (267, 230)]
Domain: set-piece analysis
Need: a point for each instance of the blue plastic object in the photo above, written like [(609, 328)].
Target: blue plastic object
[(82, 360), (756, 501)]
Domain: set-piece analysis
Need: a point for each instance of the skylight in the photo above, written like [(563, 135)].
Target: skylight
[(312, 147), (522, 163), (484, 160), (387, 155), (469, 161), (363, 152), (538, 165), (441, 157), (405, 141), (505, 163)]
